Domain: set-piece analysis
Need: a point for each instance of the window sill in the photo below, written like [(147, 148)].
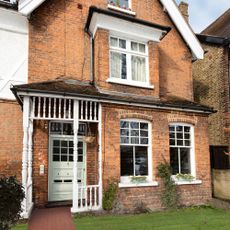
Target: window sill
[(134, 84), (121, 10), (177, 182), (135, 185)]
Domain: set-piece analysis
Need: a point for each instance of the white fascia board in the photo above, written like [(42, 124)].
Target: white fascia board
[(125, 28), (183, 28), (26, 7)]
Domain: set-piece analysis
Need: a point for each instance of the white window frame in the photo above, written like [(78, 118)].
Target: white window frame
[(127, 11), (149, 180), (129, 53), (192, 155)]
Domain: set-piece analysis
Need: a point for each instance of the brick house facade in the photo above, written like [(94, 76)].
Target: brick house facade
[(122, 75)]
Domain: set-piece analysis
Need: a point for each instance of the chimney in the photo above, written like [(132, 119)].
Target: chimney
[(183, 7)]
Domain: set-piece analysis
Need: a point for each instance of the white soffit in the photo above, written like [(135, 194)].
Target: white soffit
[(126, 28), (183, 28), (26, 7)]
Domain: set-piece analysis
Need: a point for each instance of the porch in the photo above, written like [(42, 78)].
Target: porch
[(69, 122)]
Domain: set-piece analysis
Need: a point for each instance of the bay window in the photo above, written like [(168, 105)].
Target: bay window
[(181, 149), (134, 148), (128, 61)]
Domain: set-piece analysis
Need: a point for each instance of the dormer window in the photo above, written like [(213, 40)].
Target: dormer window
[(124, 4), (128, 62)]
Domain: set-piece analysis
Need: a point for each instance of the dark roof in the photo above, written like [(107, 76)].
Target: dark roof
[(85, 90), (8, 4), (213, 39), (94, 9), (220, 27)]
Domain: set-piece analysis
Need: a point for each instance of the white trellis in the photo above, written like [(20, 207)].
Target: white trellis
[(60, 109)]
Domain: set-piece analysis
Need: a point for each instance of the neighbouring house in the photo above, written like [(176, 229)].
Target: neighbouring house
[(13, 70), (211, 87), (109, 97)]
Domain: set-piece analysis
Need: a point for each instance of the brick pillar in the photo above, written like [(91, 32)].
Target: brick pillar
[(183, 6)]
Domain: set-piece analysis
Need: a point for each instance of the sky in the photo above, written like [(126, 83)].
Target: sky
[(203, 12)]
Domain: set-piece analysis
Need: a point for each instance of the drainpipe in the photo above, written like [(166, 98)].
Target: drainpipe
[(91, 58)]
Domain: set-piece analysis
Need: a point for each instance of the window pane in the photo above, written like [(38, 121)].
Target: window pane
[(187, 143), (124, 124), (142, 48), (187, 136), (115, 63), (124, 132), (64, 143), (56, 143), (141, 161), (127, 161), (134, 140), (138, 68), (122, 43), (56, 150), (134, 125), (144, 141), (80, 158), (179, 135), (187, 129), (185, 160), (56, 158), (174, 160), (144, 126), (114, 42), (144, 133), (179, 128), (180, 142), (171, 128), (172, 135), (134, 46), (123, 67), (67, 129), (124, 140), (172, 142), (64, 158), (135, 133)]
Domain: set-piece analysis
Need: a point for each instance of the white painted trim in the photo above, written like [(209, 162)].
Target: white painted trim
[(130, 83), (183, 27), (26, 7), (130, 12), (134, 30), (188, 182), (132, 185), (111, 102)]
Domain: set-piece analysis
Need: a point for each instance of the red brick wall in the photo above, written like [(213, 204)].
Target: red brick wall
[(60, 47), (129, 198), (11, 139)]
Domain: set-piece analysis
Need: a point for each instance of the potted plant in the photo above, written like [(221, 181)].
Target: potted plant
[(184, 177)]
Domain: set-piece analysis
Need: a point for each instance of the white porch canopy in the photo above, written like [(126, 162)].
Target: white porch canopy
[(60, 108)]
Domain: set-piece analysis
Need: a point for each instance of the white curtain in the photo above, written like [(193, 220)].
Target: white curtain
[(115, 63), (138, 68)]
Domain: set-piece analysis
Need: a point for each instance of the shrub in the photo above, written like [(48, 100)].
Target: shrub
[(11, 196), (169, 197), (109, 196)]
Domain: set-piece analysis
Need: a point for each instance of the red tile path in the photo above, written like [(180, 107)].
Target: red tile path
[(51, 219)]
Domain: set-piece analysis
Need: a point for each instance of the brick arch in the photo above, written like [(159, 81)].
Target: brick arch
[(127, 115), (173, 118)]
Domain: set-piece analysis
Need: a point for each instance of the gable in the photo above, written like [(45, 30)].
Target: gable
[(26, 7)]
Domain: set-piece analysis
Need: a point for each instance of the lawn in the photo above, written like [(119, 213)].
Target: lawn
[(189, 219), (20, 227)]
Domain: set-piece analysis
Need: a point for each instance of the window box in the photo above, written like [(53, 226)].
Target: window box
[(132, 185)]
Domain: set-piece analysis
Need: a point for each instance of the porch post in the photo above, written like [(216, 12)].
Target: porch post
[(100, 155), (26, 112), (74, 208)]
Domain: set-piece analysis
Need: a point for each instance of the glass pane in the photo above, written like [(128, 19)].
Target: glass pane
[(187, 129), (56, 143), (71, 144), (124, 3), (187, 136), (134, 125), (122, 43), (144, 133), (134, 140), (123, 67), (138, 68), (174, 160), (64, 158), (70, 151), (187, 143), (179, 128), (63, 150), (64, 143), (179, 135), (185, 160), (55, 128), (135, 133), (171, 128), (67, 129), (80, 151), (115, 64), (56, 150), (56, 158), (124, 124), (180, 142), (71, 158), (124, 132), (142, 48), (172, 135), (124, 140), (127, 161), (144, 126), (113, 42), (80, 158), (172, 142), (80, 144), (134, 46), (141, 161), (144, 141)]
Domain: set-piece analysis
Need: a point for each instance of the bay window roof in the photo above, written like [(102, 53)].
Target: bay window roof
[(124, 24)]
